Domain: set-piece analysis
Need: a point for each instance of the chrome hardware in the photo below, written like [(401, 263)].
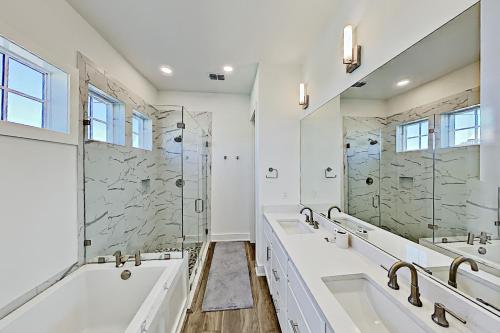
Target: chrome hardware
[(275, 273), (484, 238), (470, 238), (143, 327), (272, 174), (310, 218), (439, 315), (295, 326), (137, 258), (327, 171), (120, 260), (414, 297), (267, 253), (481, 250), (196, 206), (87, 242), (126, 274), (330, 211), (452, 279), (276, 306)]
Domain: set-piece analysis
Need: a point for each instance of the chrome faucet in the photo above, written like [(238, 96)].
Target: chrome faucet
[(414, 297), (120, 259), (330, 211), (310, 218), (452, 279), (484, 238), (137, 257)]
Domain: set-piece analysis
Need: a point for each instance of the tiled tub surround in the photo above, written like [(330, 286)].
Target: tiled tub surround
[(364, 258), (132, 201), (411, 181)]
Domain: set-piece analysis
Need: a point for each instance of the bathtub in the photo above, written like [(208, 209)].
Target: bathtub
[(95, 299)]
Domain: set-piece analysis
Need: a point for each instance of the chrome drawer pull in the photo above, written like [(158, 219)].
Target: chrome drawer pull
[(275, 273), (295, 326), (267, 253)]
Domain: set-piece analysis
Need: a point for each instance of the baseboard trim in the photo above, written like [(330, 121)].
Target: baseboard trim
[(259, 270), (230, 237)]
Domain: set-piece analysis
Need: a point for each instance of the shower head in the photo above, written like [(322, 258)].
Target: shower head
[(373, 142)]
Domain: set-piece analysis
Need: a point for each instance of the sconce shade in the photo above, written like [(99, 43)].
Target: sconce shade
[(303, 97), (348, 45)]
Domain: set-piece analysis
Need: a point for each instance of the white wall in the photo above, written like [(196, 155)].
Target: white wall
[(384, 29), (453, 83), (490, 96), (232, 183), (277, 136), (38, 192)]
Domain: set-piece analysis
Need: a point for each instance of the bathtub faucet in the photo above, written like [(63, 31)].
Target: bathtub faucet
[(120, 259)]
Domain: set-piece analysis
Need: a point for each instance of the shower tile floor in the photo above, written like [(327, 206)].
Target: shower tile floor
[(193, 251)]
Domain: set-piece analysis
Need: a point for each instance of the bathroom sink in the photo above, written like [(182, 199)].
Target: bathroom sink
[(370, 307), (353, 226), (294, 226), (471, 284)]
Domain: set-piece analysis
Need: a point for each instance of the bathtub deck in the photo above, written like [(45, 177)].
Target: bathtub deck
[(259, 319)]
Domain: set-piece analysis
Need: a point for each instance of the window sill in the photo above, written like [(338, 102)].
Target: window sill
[(35, 133)]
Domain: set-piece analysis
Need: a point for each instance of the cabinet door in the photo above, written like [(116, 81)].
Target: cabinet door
[(279, 285), (295, 319)]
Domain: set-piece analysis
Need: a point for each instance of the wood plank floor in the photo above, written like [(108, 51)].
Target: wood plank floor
[(259, 319)]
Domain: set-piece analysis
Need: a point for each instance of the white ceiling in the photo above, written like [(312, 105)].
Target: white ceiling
[(453, 46), (198, 37)]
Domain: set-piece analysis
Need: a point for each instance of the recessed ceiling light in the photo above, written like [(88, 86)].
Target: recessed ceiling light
[(403, 83), (228, 69), (166, 70)]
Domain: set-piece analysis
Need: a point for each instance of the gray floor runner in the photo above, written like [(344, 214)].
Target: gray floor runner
[(228, 285)]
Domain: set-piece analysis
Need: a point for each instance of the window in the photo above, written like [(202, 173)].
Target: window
[(463, 127), (106, 116), (141, 131), (413, 136), (23, 93), (26, 83)]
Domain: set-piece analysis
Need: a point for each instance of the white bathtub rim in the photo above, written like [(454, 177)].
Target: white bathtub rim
[(152, 303), (16, 314)]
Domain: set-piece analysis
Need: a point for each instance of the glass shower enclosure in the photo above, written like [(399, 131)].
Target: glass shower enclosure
[(150, 200)]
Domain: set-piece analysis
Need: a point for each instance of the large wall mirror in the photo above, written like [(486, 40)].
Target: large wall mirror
[(408, 176)]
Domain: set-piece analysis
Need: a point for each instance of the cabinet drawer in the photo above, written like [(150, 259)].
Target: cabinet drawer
[(312, 316), (279, 251), (279, 287), (296, 322)]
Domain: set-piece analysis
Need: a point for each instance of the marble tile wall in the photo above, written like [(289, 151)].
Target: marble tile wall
[(418, 188), (131, 200)]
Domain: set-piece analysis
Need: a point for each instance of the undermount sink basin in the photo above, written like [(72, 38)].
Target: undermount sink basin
[(471, 284), (369, 306), (294, 226), (353, 226)]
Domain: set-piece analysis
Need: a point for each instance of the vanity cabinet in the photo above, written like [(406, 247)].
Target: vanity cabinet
[(296, 310)]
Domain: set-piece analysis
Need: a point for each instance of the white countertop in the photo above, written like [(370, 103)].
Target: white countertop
[(314, 258)]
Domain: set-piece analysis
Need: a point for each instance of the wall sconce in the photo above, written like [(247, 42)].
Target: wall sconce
[(352, 52), (303, 96)]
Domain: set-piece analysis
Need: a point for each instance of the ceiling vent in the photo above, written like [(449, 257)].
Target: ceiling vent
[(216, 77), (358, 84)]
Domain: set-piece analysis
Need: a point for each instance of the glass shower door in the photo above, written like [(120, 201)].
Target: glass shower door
[(363, 172)]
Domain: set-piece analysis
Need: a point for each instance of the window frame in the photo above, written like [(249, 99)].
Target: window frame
[(143, 130), (115, 117), (5, 89), (403, 135), (450, 122)]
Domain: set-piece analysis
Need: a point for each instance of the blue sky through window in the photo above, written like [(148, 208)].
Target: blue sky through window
[(25, 79), (25, 111)]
